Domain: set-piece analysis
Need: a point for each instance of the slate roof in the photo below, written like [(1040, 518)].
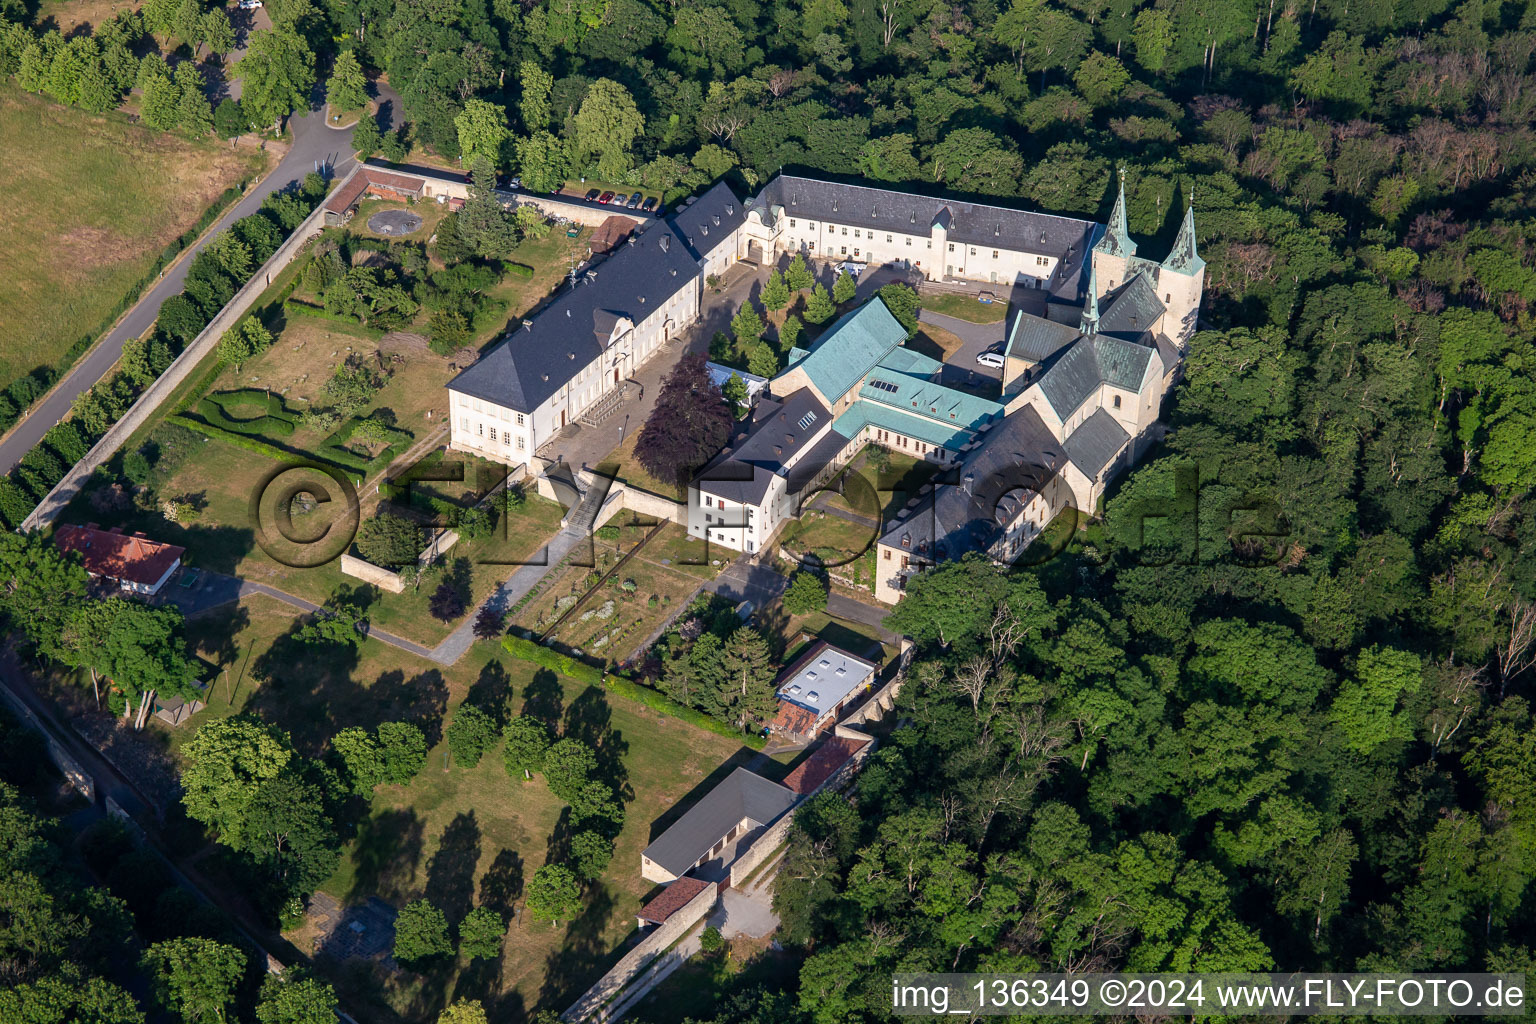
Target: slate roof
[(1129, 311), (971, 223), (1013, 460), (1037, 339), (809, 774), (673, 898), (1077, 371), (742, 795), (855, 345), (1071, 377), (535, 362), (1096, 441), (710, 219), (773, 440)]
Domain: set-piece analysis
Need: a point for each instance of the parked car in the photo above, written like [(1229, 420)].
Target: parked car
[(514, 183), (634, 200), (249, 5), (648, 205), (992, 359), (605, 198), (593, 195)]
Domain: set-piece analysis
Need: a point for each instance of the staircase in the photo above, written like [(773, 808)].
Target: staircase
[(585, 514), (604, 407)]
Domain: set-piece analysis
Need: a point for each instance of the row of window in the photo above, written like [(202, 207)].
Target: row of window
[(1040, 261), (465, 401), (507, 436)]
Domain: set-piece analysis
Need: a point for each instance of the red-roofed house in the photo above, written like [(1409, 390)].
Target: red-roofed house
[(136, 563), (809, 775), (672, 899)]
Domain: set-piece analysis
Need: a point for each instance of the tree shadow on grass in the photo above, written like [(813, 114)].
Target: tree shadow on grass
[(306, 689), (422, 700), (544, 698), (451, 870), (492, 692), (590, 720), (583, 956), (385, 855), (502, 884)]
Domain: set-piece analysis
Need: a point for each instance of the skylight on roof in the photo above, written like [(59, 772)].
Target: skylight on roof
[(807, 420), (883, 385)]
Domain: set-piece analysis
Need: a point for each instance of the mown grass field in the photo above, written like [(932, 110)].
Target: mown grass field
[(93, 200), (463, 836)]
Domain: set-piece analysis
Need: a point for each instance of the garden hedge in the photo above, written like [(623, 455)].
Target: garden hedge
[(571, 668), (294, 307), (519, 270), (276, 421), (238, 440), (331, 449)]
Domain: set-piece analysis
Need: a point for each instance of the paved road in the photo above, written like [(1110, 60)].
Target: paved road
[(313, 143)]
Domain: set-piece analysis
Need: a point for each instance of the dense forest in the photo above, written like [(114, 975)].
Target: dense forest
[(1274, 708)]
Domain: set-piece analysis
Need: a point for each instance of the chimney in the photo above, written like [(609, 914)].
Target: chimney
[(527, 325), (666, 243), (970, 484)]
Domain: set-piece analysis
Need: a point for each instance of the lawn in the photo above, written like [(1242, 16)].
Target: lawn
[(964, 307), (463, 836), (880, 492), (84, 224), (632, 472), (67, 14), (827, 538)]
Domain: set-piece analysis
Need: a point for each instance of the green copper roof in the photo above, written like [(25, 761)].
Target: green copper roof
[(863, 414), (913, 364), (1185, 258), (853, 347), (1117, 237), (920, 398)]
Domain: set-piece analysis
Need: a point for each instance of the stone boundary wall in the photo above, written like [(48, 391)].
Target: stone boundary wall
[(647, 504), (593, 1005), (380, 577), (78, 777), (179, 370), (763, 846)]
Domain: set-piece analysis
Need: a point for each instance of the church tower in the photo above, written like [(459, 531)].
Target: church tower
[(1180, 281), (1112, 254)]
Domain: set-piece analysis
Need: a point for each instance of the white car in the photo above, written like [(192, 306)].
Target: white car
[(992, 359), (249, 5)]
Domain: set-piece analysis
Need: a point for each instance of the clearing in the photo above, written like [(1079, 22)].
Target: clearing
[(85, 225)]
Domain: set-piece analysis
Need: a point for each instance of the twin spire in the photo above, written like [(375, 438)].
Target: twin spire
[(1184, 258)]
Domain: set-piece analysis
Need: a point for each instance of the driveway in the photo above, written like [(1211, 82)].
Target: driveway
[(314, 145), (747, 914), (961, 368)]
